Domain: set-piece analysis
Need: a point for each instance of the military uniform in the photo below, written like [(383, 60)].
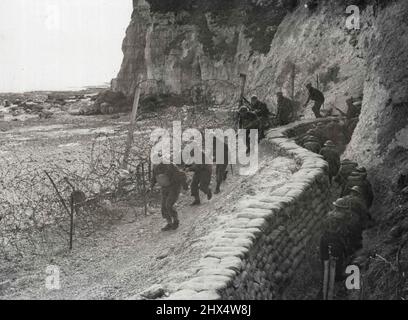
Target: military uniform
[(346, 168), (249, 120), (356, 179), (285, 110), (201, 180), (342, 234), (332, 156), (318, 98), (333, 243), (359, 206), (221, 168), (261, 110), (170, 192)]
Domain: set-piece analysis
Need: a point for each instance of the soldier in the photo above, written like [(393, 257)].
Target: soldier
[(171, 179), (352, 224), (352, 115), (332, 156), (285, 109), (248, 120), (359, 178), (201, 180), (318, 98), (346, 168), (342, 235), (263, 113), (221, 168), (333, 243), (359, 206)]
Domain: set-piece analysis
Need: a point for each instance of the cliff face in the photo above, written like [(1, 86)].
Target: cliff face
[(380, 141), (197, 44), (195, 47)]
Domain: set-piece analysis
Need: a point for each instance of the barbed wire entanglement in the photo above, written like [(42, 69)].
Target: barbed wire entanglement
[(38, 197)]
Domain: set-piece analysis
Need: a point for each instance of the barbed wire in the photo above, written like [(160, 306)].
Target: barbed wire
[(33, 219)]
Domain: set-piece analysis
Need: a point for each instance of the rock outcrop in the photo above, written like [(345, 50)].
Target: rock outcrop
[(184, 46)]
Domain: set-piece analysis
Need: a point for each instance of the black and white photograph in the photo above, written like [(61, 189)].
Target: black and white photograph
[(224, 151)]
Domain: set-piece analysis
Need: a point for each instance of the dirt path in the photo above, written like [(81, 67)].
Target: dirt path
[(134, 254)]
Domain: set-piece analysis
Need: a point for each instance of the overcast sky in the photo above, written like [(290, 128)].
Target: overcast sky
[(60, 44)]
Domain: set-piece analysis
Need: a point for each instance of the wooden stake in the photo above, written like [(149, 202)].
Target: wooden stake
[(144, 189), (325, 279), (293, 81), (130, 137), (332, 278), (71, 228), (58, 193)]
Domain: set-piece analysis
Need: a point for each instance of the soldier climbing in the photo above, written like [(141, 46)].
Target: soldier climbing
[(318, 98)]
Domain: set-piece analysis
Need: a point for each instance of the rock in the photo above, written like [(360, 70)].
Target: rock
[(154, 292), (164, 255), (184, 294)]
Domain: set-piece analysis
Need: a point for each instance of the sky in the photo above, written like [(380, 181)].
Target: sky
[(60, 44)]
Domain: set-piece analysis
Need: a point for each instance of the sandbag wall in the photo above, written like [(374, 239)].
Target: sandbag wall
[(260, 250)]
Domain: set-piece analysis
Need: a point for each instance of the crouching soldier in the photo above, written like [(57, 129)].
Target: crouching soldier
[(352, 223), (332, 156), (333, 244), (359, 206), (346, 168), (221, 168), (171, 180), (359, 178), (201, 180)]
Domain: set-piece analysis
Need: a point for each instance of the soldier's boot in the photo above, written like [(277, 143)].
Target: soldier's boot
[(175, 220), (196, 202), (225, 175), (168, 226), (209, 194), (176, 224), (217, 188)]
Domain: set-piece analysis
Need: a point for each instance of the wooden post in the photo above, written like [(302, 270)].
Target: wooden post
[(332, 278), (243, 84), (325, 279), (150, 170), (131, 131), (293, 77), (144, 189)]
